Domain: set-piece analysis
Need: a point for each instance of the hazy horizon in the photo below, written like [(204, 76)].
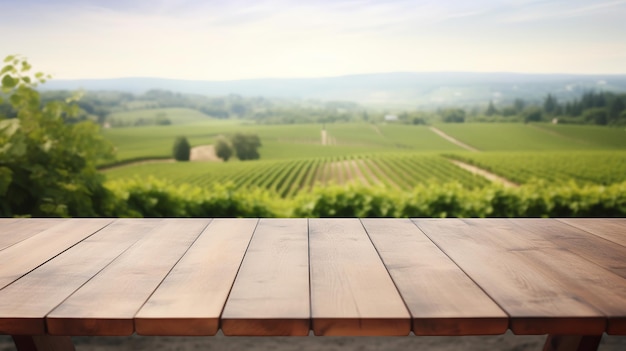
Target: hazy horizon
[(274, 39)]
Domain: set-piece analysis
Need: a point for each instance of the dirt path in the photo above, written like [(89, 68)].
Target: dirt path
[(481, 172), (143, 162), (198, 153), (327, 139), (203, 153), (452, 140), (377, 130)]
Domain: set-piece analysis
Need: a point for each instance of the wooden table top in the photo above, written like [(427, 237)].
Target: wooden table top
[(331, 276)]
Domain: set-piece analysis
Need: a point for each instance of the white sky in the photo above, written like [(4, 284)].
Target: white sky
[(238, 39)]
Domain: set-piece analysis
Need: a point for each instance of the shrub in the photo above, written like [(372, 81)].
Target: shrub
[(155, 198), (223, 149), (182, 149), (246, 146)]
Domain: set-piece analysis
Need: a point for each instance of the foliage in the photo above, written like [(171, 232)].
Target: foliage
[(153, 198), (453, 115), (491, 109), (47, 166), (246, 146), (532, 114), (181, 149), (596, 115), (223, 149)]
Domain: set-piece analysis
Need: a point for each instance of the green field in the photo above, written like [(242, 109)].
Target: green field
[(279, 141), (295, 158), (533, 137), (596, 136)]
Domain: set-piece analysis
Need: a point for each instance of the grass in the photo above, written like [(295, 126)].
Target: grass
[(513, 137), (594, 136)]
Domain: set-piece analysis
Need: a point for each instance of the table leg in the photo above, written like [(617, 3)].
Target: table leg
[(572, 343), (43, 343)]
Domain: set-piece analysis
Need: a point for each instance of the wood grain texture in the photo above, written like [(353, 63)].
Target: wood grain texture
[(7, 220), (12, 231), (613, 229), (596, 249), (441, 298), (191, 298), (107, 304), (584, 264), (503, 262), (270, 295), (24, 256), (351, 291), (25, 303)]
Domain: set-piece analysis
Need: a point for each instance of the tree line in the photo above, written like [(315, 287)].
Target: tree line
[(593, 107)]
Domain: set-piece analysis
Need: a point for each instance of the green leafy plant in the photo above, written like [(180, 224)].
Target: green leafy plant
[(181, 149), (223, 149), (47, 166)]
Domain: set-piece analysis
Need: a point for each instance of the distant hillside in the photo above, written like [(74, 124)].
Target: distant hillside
[(411, 89)]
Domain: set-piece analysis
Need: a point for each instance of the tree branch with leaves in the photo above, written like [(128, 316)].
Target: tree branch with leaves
[(47, 166)]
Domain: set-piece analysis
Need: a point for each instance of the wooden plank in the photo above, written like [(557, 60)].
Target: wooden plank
[(596, 249), (107, 303), (190, 300), (351, 290), (501, 260), (270, 295), (17, 230), (613, 229), (25, 303), (43, 343), (441, 298), (19, 259), (589, 267)]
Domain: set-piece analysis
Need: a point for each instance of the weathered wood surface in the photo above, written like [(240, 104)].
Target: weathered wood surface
[(351, 290), (611, 229), (271, 293), (108, 303), (26, 255), (544, 288), (331, 276), (25, 303), (190, 300), (441, 298)]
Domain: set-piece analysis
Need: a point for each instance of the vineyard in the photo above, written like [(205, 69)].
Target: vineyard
[(593, 167), (287, 178), (295, 159)]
